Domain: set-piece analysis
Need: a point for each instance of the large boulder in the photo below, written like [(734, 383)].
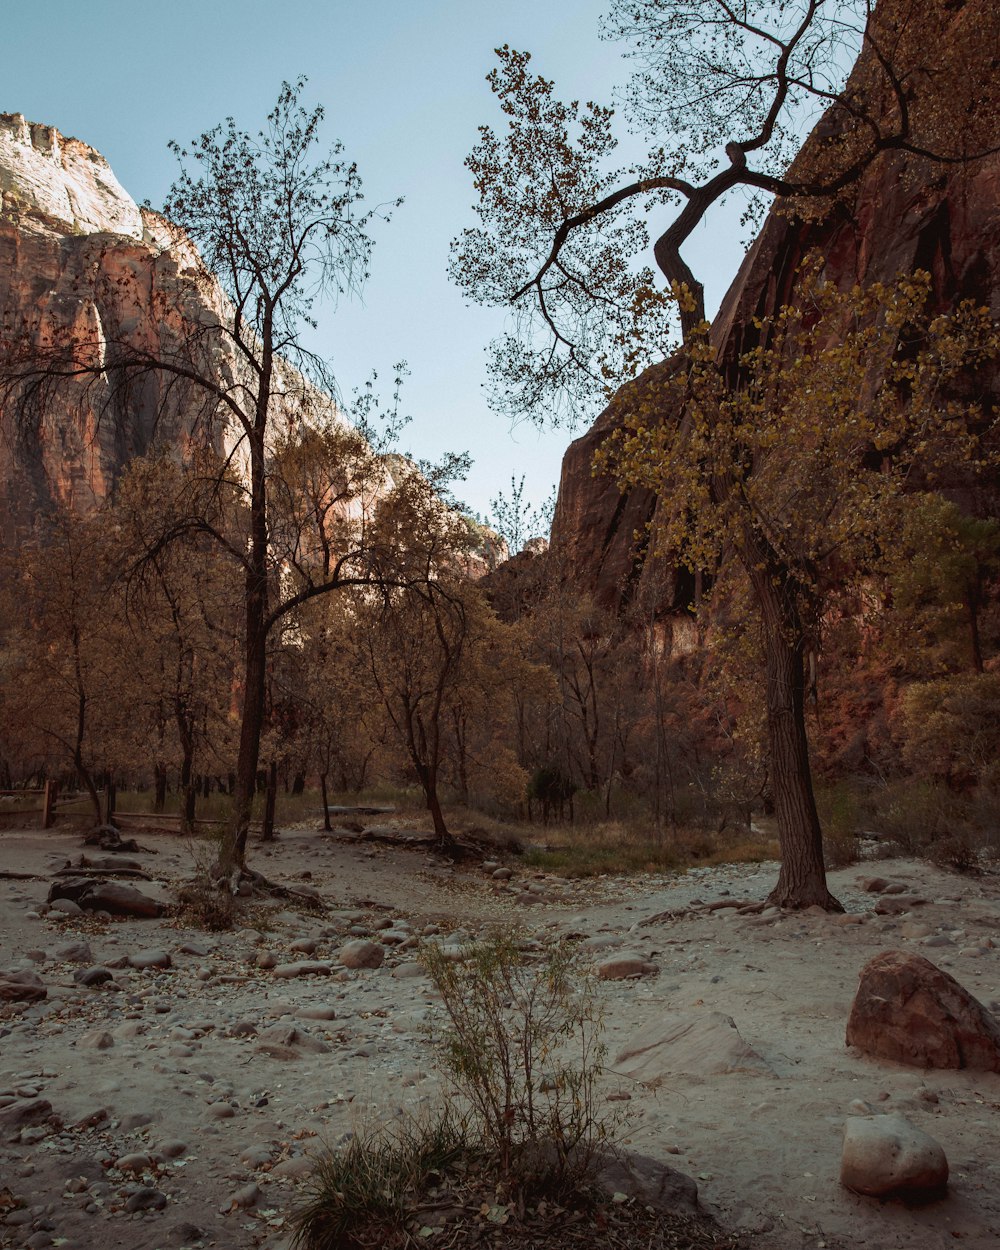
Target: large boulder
[(885, 1156), (706, 1044), (911, 1012)]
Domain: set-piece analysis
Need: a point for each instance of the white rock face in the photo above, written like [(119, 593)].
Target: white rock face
[(886, 1154), (45, 174)]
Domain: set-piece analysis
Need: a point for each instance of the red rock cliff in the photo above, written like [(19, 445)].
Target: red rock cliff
[(903, 214)]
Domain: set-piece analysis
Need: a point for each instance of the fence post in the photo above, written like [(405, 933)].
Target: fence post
[(49, 805)]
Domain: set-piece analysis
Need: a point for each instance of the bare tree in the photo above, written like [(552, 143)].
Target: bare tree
[(723, 91)]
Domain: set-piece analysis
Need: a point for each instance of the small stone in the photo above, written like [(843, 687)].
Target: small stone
[(248, 1196), (74, 953), (136, 1161), (623, 966), (150, 959), (146, 1199), (362, 955), (93, 976), (96, 1039)]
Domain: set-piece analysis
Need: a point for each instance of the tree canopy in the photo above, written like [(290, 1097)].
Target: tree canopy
[(723, 94)]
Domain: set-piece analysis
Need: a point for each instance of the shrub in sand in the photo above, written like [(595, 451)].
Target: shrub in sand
[(518, 1130)]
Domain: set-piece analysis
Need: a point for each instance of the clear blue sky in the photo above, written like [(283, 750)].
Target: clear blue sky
[(403, 85)]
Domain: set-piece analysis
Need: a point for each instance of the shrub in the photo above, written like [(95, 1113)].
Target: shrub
[(522, 1050)]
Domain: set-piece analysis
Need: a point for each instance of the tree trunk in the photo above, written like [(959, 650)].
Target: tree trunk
[(232, 850), (802, 879), (160, 787), (326, 804), (270, 798), (189, 789)]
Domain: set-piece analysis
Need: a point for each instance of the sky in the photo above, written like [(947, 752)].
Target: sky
[(403, 84)]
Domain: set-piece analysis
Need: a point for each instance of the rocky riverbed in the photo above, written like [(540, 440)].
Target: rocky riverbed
[(172, 1084)]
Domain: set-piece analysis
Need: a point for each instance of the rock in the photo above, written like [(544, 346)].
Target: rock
[(650, 1182), (707, 1044), (97, 1039), (909, 1011), (146, 1199), (93, 976), (282, 1042), (305, 968), (362, 955), (21, 1114), (150, 959), (885, 1155), (120, 900), (74, 953), (873, 885), (21, 985), (620, 967), (136, 1161), (66, 907)]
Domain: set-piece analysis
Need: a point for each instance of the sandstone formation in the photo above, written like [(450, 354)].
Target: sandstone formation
[(903, 214), (909, 1011), (82, 263), (886, 1156), (698, 1044)]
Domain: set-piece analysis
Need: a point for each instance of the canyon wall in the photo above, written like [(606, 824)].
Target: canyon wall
[(903, 213), (82, 263)]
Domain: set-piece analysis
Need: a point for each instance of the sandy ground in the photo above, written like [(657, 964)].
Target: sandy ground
[(196, 1065)]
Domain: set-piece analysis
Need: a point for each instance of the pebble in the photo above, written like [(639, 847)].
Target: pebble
[(361, 955), (146, 1199), (150, 959), (305, 968), (96, 1039), (248, 1196), (74, 953), (93, 976)]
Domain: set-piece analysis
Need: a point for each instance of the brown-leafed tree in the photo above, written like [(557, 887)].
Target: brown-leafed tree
[(278, 228)]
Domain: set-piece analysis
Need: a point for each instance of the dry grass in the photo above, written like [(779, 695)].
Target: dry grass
[(617, 848)]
